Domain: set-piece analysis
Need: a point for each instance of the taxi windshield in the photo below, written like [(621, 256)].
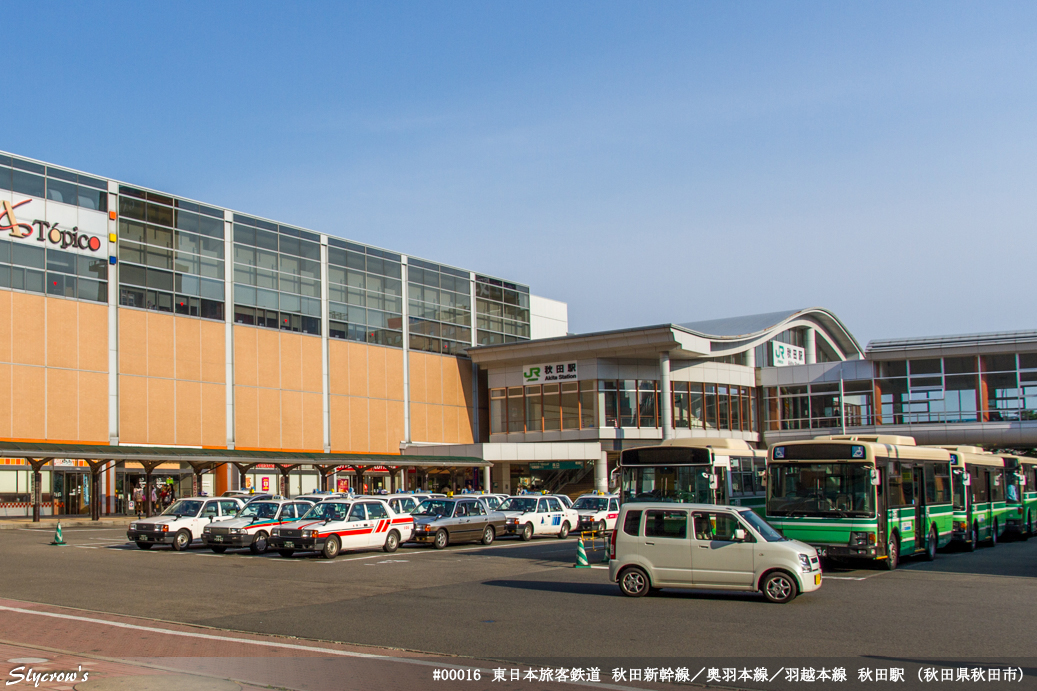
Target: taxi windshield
[(183, 508), (492, 502), (259, 509), (519, 504), (434, 507), (591, 504), (328, 510)]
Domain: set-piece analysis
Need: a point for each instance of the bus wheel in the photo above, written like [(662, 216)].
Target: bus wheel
[(893, 554), (930, 547), (993, 535), (973, 541), (1026, 531)]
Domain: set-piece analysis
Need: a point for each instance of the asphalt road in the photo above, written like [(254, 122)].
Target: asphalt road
[(518, 601)]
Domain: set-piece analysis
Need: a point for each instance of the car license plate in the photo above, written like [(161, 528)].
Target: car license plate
[(817, 579), (217, 538), (289, 544)]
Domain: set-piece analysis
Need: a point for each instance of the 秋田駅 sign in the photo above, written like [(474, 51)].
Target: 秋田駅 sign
[(550, 372), (785, 354)]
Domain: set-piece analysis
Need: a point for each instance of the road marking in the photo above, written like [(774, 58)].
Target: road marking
[(284, 646), (844, 578)]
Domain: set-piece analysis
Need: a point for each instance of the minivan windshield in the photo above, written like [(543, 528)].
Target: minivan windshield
[(519, 504), (761, 526), (183, 508), (259, 509), (591, 504)]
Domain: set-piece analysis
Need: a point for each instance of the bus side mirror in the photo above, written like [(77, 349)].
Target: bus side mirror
[(714, 483), (967, 478), (875, 479), (1022, 480)]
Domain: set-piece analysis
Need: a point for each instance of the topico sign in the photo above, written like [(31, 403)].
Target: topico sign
[(42, 231)]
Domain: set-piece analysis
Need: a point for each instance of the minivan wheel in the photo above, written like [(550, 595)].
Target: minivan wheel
[(527, 532), (633, 582), (181, 541), (779, 587), (930, 547)]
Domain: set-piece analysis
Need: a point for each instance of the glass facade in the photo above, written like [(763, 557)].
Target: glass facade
[(171, 255), (54, 184), (365, 294), (714, 406), (439, 304), (543, 407), (501, 311)]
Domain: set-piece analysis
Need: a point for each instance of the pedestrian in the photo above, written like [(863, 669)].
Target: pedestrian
[(154, 496), (138, 501)]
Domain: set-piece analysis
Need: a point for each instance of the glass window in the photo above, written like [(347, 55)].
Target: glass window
[(646, 404), (819, 489), (666, 523), (534, 409), (611, 402), (357, 513), (628, 403), (716, 527), (552, 408), (632, 522), (588, 398), (376, 511), (571, 405), (516, 418), (998, 363)]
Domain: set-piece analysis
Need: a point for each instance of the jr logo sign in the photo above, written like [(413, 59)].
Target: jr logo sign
[(542, 374)]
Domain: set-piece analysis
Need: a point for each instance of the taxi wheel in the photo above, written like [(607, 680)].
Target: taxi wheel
[(260, 543), (488, 535), (286, 553), (930, 545), (144, 545), (392, 541), (218, 550), (633, 582), (442, 539), (527, 532), (564, 532), (779, 587), (181, 541), (331, 547), (602, 527)]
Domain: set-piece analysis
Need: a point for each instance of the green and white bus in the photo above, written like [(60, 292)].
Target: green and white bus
[(1021, 495), (870, 497), (980, 509), (701, 471)]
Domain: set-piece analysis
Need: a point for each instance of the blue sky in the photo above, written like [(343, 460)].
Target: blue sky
[(644, 162)]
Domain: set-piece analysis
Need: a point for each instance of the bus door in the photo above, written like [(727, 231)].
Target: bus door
[(881, 502), (918, 479), (722, 476)]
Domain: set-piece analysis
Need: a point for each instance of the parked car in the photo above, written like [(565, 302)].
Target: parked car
[(337, 524), (466, 518), (531, 515), (668, 545), (183, 522), (597, 511), (251, 528)]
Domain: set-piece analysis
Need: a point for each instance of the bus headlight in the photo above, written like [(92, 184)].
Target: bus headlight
[(862, 539)]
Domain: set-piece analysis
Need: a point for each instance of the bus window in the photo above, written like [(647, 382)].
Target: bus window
[(979, 484), (819, 489), (930, 483), (896, 486), (997, 485), (958, 489), (907, 481), (942, 483)]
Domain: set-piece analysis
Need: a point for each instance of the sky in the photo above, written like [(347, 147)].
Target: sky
[(644, 162)]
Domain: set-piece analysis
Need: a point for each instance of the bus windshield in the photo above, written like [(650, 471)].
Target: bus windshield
[(958, 489), (820, 489), (682, 483)]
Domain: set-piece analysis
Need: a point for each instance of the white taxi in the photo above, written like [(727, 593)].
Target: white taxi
[(598, 511), (337, 524), (530, 515), (182, 522), (251, 528)]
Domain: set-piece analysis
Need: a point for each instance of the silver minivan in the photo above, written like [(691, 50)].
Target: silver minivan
[(670, 545)]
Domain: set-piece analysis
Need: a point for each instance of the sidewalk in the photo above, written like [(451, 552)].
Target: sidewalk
[(50, 522)]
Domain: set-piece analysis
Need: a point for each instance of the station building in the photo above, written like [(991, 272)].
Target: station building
[(130, 316)]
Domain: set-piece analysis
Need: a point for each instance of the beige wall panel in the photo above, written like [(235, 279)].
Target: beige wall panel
[(213, 344), (464, 375), (62, 335), (268, 358), (62, 404), (394, 424), (214, 415), (28, 393), (161, 411), (291, 361), (188, 336), (464, 426), (246, 410), (450, 424), (6, 401), (268, 418), (311, 365), (188, 413), (133, 342), (376, 373), (357, 369), (291, 420), (312, 422), (393, 374), (434, 423), (338, 367), (418, 422), (378, 429), (133, 409), (245, 368), (452, 394), (339, 414), (5, 325), (93, 338), (27, 337), (160, 346), (417, 378), (359, 425), (93, 406)]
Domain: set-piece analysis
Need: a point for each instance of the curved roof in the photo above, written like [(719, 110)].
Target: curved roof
[(739, 326), (737, 334)]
